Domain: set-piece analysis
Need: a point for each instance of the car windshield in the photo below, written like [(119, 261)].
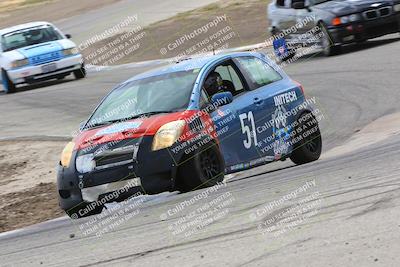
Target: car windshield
[(27, 37), (160, 94)]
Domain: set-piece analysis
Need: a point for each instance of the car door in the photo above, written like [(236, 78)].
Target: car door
[(234, 122), (269, 111)]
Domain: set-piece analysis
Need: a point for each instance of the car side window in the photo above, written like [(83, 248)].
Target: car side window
[(257, 72), (229, 74), (284, 3), (305, 2), (224, 78)]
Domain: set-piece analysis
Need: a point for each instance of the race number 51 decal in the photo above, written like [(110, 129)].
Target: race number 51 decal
[(245, 121)]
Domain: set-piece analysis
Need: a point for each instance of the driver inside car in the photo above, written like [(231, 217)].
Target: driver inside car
[(35, 36), (215, 84)]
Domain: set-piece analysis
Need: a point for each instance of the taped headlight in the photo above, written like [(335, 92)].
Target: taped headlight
[(168, 134), (19, 63), (67, 154), (70, 51), (85, 163), (397, 8)]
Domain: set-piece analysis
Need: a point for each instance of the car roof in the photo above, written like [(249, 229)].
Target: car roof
[(189, 64), (23, 26)]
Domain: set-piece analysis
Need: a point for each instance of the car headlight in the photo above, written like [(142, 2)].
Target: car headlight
[(20, 63), (396, 8), (85, 163), (346, 19), (70, 51), (168, 134), (67, 154)]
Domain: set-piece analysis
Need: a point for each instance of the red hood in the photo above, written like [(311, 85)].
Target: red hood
[(128, 129)]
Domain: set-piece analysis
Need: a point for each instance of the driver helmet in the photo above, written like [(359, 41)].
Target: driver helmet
[(213, 83)]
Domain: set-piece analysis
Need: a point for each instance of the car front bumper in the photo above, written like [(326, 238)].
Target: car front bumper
[(150, 173), (32, 74), (364, 30)]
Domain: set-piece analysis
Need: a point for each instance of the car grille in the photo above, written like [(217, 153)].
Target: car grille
[(113, 160), (196, 125), (45, 58), (378, 13), (116, 157)]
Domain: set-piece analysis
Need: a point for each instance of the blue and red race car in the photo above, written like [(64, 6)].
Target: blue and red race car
[(184, 127)]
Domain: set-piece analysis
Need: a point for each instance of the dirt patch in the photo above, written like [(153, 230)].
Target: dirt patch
[(27, 207), (25, 164), (13, 12), (28, 192), (5, 170), (245, 19)]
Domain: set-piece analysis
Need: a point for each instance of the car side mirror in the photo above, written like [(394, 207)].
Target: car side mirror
[(221, 99), (299, 5), (68, 36)]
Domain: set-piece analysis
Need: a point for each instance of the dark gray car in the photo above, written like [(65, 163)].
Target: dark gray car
[(332, 23)]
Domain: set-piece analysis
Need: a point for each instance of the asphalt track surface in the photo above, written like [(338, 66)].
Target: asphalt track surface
[(357, 178)]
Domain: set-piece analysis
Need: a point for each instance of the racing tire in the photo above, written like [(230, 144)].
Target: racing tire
[(74, 212), (328, 48), (8, 85), (200, 170), (309, 146), (81, 73)]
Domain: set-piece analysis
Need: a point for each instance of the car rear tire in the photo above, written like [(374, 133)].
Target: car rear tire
[(74, 212), (8, 85), (200, 170), (81, 73), (309, 146), (326, 43)]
